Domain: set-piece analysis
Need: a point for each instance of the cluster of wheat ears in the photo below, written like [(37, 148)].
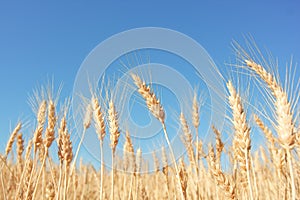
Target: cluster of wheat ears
[(270, 172)]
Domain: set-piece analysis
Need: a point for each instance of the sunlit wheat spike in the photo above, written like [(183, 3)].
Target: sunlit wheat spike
[(220, 178), (20, 147), (152, 102), (98, 118), (61, 131), (265, 129), (28, 150), (242, 141), (65, 152), (67, 148), (183, 177), (138, 160), (242, 131), (219, 146), (113, 126), (12, 138), (88, 116), (41, 113), (128, 151), (41, 118), (187, 138), (195, 112), (50, 130), (284, 117)]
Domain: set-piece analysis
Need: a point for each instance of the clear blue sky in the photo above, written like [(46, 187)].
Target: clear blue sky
[(39, 40)]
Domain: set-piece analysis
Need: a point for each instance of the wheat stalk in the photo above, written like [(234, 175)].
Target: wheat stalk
[(114, 138), (100, 129), (242, 141), (284, 116), (129, 164), (157, 110), (49, 138), (285, 124), (86, 124)]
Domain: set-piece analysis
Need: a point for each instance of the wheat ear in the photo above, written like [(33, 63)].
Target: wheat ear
[(219, 147), (183, 177), (49, 138), (242, 141), (285, 124), (11, 140), (220, 178), (20, 150), (100, 130), (41, 114), (268, 134), (196, 121), (152, 102), (65, 152), (284, 116), (114, 138), (27, 163)]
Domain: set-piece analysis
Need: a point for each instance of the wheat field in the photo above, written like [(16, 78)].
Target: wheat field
[(272, 171)]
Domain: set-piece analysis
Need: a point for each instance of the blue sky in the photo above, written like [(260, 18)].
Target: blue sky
[(41, 40)]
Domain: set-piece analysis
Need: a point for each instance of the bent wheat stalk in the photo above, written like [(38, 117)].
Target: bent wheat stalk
[(86, 125), (285, 123), (158, 112)]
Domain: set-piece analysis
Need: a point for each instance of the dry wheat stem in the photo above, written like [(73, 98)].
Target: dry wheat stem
[(173, 159), (86, 125)]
